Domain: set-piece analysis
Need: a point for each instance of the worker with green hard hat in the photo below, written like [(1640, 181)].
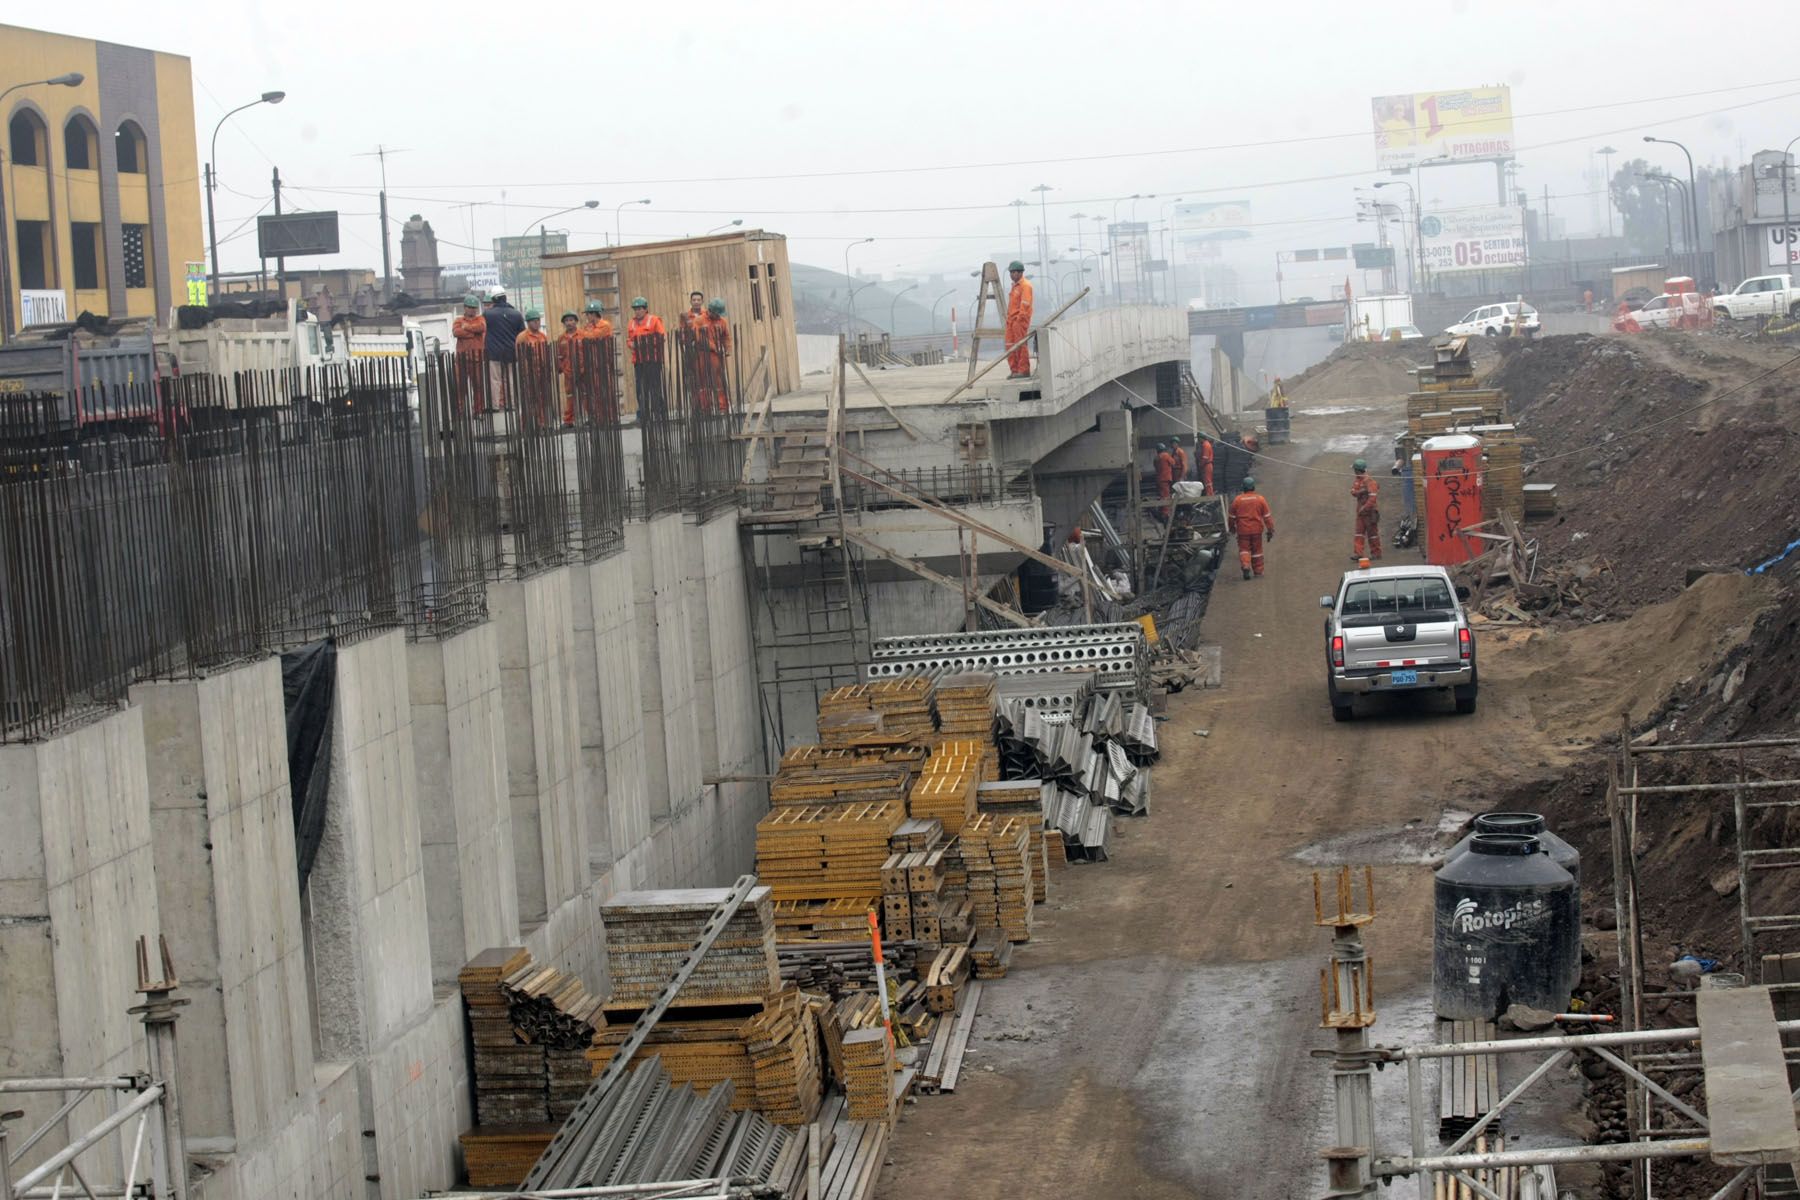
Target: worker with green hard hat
[(1365, 495), (648, 340), (565, 361), (712, 355), (1253, 523), (1018, 322)]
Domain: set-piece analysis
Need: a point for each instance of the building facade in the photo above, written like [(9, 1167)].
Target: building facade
[(100, 183)]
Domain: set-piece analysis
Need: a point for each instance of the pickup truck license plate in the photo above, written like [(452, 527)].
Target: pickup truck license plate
[(1398, 678)]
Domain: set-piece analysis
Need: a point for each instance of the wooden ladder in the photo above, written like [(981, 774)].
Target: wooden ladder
[(988, 292)]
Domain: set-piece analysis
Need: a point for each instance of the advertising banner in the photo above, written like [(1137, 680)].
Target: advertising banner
[(1488, 238), (1784, 245), (1471, 123), (519, 257)]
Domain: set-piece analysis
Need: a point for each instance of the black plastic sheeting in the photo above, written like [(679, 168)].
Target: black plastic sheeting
[(308, 685)]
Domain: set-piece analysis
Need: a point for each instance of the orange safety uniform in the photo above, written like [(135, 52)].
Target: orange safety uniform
[(537, 372), (1165, 474), (1367, 496), (712, 350), (471, 357), (1018, 324), (1206, 464), (1182, 465), (1250, 519), (647, 339)]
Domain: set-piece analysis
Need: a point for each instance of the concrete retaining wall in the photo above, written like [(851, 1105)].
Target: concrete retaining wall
[(491, 788)]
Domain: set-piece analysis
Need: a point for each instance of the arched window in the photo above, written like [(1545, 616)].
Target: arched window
[(81, 144), (29, 148), (134, 156)]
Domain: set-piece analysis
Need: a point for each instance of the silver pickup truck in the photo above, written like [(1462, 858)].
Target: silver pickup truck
[(1397, 629)]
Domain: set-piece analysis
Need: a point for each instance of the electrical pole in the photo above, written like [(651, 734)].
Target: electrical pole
[(280, 263), (387, 263)]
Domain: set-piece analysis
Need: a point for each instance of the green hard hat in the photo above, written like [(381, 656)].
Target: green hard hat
[(715, 306), (1361, 464), (471, 301), (639, 302), (593, 306), (1015, 265), (569, 313), (532, 314), (1249, 483)]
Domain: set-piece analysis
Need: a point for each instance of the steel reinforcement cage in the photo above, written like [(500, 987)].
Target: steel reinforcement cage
[(208, 519)]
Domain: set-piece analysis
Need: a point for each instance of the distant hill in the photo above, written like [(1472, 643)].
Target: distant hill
[(821, 304)]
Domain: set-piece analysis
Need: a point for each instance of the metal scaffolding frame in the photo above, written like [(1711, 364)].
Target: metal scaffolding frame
[(1648, 1111)]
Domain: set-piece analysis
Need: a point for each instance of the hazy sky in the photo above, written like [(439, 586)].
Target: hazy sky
[(828, 122)]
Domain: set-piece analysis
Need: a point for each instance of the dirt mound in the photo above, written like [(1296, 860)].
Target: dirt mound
[(1361, 371), (1578, 679), (1755, 689), (1667, 455)]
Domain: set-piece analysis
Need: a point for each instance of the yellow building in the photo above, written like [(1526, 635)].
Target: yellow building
[(100, 182)]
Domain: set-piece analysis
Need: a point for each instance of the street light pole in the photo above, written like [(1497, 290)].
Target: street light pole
[(894, 309), (934, 307), (1606, 153), (1786, 166), (1693, 205), (1042, 190), (1018, 207), (855, 242), (1668, 222), (1412, 270), (619, 219), (727, 225), (544, 238), (212, 176)]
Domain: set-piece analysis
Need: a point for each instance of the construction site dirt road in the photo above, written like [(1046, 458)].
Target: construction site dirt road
[(1152, 1041)]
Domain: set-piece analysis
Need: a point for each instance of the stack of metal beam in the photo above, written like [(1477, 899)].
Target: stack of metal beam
[(1139, 735), (649, 1129), (1117, 653), (1086, 827)]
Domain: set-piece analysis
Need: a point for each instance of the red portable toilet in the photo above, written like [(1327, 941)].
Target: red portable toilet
[(1452, 464)]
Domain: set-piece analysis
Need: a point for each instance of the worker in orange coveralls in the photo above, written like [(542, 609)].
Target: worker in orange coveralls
[(1182, 464), (647, 339), (1018, 321), (1251, 520), (712, 350), (1368, 512), (1165, 475), (1205, 446), (565, 363), (537, 367), (470, 331)]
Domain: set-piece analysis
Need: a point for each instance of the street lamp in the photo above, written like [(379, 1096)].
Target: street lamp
[(727, 225), (68, 79), (1606, 153), (1785, 166), (1668, 222), (1693, 205), (1018, 207), (894, 308), (1681, 194), (934, 307), (619, 218), (1043, 189), (1113, 229), (1412, 270), (854, 243), (212, 174), (543, 237)]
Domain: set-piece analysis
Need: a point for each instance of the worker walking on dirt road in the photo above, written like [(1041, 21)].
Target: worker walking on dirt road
[(1367, 497), (1252, 521), (1018, 321)]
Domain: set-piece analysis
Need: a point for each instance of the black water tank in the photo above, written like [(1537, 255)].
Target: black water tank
[(1508, 930), (1561, 853)]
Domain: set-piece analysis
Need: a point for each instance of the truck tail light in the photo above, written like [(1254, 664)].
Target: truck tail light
[(1465, 643), (1337, 651)]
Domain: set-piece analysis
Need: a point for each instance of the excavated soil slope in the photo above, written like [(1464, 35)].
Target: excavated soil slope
[(1667, 454)]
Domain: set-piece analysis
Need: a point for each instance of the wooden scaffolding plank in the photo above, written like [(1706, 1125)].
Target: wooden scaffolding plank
[(1749, 1112)]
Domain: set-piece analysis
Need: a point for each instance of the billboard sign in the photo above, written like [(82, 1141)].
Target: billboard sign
[(1373, 258), (1468, 124), (473, 274), (297, 235), (1484, 238), (1216, 219), (519, 257), (1784, 245)]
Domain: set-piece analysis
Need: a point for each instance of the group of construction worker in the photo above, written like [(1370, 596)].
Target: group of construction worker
[(494, 339), (1175, 463), (1250, 519)]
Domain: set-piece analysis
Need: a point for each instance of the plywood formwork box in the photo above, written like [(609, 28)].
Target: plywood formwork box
[(748, 270)]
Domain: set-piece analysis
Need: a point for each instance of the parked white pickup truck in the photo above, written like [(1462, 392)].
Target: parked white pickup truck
[(1765, 295)]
